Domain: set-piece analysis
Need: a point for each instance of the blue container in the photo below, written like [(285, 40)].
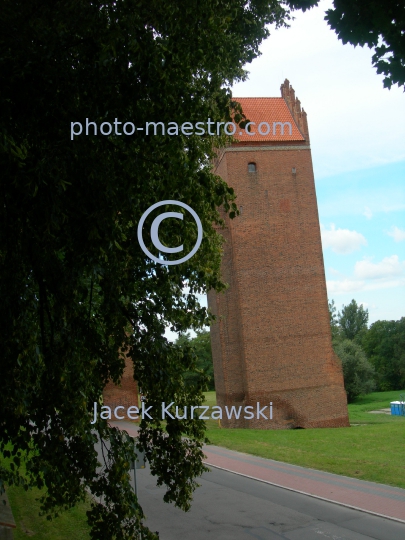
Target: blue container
[(398, 408)]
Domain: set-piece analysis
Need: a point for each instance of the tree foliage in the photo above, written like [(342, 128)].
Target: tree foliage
[(347, 329), (379, 24), (333, 320), (384, 344), (357, 371), (76, 289), (353, 320), (203, 367)]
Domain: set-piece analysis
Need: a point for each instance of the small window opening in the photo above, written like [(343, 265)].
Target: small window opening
[(252, 167)]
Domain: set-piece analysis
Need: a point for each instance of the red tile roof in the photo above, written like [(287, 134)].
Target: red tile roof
[(267, 110)]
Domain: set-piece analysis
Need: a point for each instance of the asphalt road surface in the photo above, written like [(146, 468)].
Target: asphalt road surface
[(231, 507)]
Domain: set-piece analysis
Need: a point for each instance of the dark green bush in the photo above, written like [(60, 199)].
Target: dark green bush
[(358, 373)]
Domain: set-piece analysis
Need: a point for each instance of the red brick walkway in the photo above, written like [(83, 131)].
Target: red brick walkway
[(369, 497), (374, 498)]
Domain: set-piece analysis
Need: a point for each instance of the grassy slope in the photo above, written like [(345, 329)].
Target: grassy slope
[(372, 450), (70, 525)]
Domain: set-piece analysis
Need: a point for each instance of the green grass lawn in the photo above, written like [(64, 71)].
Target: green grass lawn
[(358, 412), (373, 448), (70, 525)]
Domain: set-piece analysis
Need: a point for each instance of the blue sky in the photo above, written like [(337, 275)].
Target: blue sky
[(357, 131), (363, 234)]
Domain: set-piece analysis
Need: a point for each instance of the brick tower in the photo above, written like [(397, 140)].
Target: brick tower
[(273, 342), (124, 394)]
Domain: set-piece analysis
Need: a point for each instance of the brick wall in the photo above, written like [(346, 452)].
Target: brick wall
[(125, 394), (273, 342)]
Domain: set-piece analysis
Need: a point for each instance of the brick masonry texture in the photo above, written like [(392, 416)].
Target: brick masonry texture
[(272, 342), (125, 394)]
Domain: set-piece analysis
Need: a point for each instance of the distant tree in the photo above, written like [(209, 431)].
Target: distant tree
[(384, 344), (379, 24), (334, 323), (358, 373), (201, 347), (353, 320)]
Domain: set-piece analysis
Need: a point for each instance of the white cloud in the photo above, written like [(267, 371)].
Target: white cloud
[(387, 268), (367, 212), (342, 241), (367, 305), (340, 200), (397, 234), (369, 276), (343, 286), (397, 207), (336, 287), (386, 284)]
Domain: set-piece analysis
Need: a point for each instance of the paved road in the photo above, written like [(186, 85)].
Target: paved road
[(229, 506), (387, 501), (232, 507)]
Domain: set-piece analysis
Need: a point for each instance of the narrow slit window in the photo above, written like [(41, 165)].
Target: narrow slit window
[(251, 167)]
